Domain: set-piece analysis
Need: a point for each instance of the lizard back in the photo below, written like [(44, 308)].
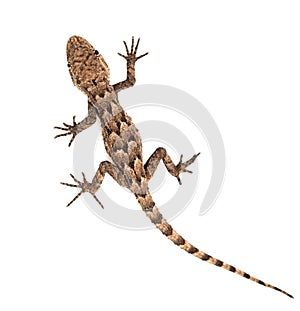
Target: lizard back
[(122, 142)]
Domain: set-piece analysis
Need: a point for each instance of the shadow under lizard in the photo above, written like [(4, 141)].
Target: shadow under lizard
[(90, 73)]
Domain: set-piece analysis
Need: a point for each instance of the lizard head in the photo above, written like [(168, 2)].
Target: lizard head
[(88, 69)]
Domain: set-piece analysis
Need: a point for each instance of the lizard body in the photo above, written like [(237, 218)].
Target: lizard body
[(90, 73)]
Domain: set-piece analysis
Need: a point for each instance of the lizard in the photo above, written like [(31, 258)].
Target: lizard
[(90, 73)]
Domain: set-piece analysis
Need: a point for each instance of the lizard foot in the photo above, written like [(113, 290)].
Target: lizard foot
[(85, 186), (181, 166), (71, 130), (131, 56)]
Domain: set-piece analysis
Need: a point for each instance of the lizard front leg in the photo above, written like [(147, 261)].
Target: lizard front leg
[(131, 58), (175, 170), (76, 128), (92, 187)]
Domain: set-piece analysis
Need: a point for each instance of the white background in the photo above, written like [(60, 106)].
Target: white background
[(241, 59)]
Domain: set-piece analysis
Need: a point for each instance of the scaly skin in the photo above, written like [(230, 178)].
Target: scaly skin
[(90, 73)]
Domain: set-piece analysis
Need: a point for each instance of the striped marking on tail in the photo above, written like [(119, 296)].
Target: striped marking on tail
[(177, 239), (161, 224)]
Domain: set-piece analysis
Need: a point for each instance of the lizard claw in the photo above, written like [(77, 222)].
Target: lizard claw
[(70, 130), (131, 56), (85, 186), (181, 166)]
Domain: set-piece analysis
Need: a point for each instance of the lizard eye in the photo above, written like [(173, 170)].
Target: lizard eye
[(69, 65), (96, 52), (78, 81)]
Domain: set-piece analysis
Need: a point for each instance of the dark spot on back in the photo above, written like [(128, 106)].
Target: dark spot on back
[(131, 164), (108, 130), (118, 122), (109, 109), (123, 119)]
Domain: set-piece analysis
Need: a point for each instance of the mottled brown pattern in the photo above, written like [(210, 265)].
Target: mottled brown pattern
[(90, 73), (88, 69), (175, 170)]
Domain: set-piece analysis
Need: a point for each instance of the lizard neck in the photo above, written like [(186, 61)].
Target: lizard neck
[(107, 107)]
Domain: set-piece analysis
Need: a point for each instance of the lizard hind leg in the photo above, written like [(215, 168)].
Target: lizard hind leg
[(92, 187), (175, 170), (85, 186)]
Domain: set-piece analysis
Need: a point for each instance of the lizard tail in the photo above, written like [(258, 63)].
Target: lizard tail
[(161, 224)]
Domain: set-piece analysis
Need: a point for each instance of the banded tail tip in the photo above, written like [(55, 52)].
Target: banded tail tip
[(284, 292)]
